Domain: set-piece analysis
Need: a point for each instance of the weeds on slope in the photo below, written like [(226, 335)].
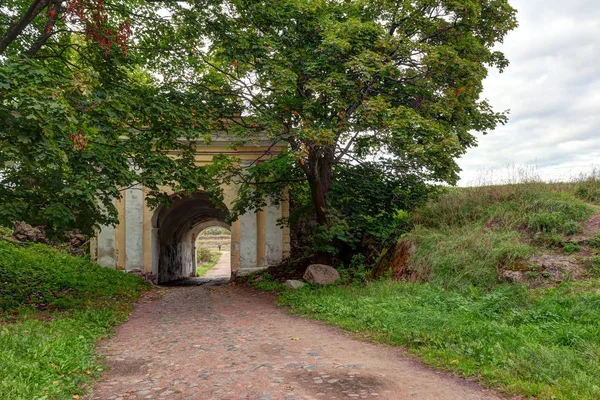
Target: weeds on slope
[(467, 236)]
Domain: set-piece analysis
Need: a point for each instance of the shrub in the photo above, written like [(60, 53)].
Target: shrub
[(595, 242), (205, 255), (554, 240), (570, 248)]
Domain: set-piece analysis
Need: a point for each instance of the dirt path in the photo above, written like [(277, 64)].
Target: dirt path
[(222, 268), (233, 343)]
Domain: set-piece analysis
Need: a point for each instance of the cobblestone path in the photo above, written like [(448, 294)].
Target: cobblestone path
[(232, 343)]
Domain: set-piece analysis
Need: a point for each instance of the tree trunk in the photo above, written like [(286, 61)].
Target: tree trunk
[(54, 11), (318, 171), (17, 28)]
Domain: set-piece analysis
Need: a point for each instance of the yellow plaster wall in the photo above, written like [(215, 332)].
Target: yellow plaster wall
[(204, 156)]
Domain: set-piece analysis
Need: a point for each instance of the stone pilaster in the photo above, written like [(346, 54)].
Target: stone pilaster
[(106, 254), (274, 235), (134, 228), (261, 238), (248, 242)]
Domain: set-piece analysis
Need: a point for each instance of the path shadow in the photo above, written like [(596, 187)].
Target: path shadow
[(198, 282)]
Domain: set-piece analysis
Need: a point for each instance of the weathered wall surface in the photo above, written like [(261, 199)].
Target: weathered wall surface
[(177, 232), (162, 241), (134, 227)]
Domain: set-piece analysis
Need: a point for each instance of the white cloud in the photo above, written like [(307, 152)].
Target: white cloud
[(552, 88)]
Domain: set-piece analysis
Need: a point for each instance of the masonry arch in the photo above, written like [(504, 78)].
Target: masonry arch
[(175, 230), (159, 242)]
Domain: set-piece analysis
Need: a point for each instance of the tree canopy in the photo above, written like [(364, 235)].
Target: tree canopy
[(83, 117), (376, 100), (365, 88)]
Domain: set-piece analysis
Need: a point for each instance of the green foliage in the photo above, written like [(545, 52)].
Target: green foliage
[(339, 83), (329, 239), (551, 240), (556, 222), (357, 272), (67, 150), (544, 343), (264, 281), (588, 189), (82, 118), (215, 231), (206, 259), (595, 242), (538, 206), (594, 265), (376, 205), (54, 308), (206, 255)]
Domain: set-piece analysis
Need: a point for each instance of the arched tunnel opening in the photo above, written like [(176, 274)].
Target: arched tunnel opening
[(176, 229)]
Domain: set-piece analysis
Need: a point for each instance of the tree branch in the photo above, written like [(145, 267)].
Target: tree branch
[(54, 10), (17, 28)]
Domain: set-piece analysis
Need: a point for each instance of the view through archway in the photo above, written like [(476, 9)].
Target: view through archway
[(213, 253), (175, 231)]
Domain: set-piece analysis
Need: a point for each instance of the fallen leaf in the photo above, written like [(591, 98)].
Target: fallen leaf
[(454, 362), (75, 396), (294, 338)]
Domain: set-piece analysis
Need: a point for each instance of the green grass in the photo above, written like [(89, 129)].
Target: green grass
[(543, 343), (466, 256), (451, 306), (53, 310), (206, 259), (467, 236), (535, 206)]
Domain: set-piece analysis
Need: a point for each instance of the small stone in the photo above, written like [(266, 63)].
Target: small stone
[(293, 284)]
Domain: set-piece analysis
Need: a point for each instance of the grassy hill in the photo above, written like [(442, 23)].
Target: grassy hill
[(533, 233), (499, 283), (53, 310)]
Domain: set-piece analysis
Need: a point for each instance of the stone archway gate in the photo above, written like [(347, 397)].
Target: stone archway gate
[(162, 241)]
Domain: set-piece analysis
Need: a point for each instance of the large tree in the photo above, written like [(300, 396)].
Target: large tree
[(390, 85), (82, 116)]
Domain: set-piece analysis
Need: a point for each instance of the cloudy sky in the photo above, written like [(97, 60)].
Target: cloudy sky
[(552, 89)]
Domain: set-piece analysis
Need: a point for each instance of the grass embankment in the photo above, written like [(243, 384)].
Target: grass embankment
[(53, 310), (454, 306), (206, 260)]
